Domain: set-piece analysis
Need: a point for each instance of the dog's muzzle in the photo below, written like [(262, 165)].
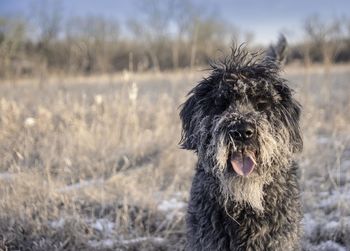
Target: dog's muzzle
[(243, 161)]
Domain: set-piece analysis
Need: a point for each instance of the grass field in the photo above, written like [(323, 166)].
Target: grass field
[(93, 163)]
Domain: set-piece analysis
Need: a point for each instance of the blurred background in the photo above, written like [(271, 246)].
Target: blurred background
[(89, 127), (86, 37)]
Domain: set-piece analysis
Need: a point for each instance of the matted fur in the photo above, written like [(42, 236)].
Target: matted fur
[(227, 211)]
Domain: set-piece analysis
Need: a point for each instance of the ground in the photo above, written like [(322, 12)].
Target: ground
[(93, 163)]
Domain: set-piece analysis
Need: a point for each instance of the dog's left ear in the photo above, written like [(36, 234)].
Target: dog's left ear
[(277, 53)]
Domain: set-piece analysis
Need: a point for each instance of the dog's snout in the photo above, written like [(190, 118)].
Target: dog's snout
[(243, 131)]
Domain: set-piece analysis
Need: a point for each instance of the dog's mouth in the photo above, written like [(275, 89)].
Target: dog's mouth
[(243, 163)]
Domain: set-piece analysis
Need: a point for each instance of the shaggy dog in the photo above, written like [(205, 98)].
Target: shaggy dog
[(243, 123)]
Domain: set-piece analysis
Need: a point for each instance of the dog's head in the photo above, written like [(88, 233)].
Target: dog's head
[(243, 121)]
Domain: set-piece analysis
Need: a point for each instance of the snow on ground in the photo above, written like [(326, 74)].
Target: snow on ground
[(326, 221), (325, 246), (6, 176), (171, 205), (58, 223), (80, 185), (109, 243), (103, 225), (173, 208)]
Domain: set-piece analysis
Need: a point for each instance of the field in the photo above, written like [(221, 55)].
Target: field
[(94, 164)]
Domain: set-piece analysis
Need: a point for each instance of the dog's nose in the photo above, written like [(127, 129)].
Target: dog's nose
[(248, 132), (243, 131)]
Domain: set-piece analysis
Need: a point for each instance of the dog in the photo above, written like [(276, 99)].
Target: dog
[(242, 121)]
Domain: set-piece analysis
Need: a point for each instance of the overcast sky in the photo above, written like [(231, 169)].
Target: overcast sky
[(264, 18)]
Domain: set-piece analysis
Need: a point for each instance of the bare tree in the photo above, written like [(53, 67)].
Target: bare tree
[(12, 38), (324, 35), (184, 14), (153, 26), (164, 34), (48, 19), (92, 38), (208, 34)]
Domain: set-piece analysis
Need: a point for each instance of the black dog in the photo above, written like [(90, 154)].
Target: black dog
[(243, 123)]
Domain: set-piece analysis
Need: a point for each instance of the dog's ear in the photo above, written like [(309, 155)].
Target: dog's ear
[(277, 53), (187, 115), (291, 116), (191, 114)]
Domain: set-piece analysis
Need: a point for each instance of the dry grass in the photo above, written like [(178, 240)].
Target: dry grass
[(94, 164)]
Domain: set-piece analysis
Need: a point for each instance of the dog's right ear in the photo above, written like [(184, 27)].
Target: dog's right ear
[(189, 123), (198, 108)]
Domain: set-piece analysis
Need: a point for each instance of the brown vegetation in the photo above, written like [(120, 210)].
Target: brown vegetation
[(90, 166)]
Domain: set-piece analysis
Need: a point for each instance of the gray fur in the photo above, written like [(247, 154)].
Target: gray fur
[(227, 211)]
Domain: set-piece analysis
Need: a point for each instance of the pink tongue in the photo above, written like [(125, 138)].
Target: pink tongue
[(242, 164)]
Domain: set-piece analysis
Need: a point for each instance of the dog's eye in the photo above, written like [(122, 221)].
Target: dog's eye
[(262, 105)]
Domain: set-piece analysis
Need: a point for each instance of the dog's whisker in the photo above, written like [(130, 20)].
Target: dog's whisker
[(229, 215)]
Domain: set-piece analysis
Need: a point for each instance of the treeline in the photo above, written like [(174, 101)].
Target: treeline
[(165, 35)]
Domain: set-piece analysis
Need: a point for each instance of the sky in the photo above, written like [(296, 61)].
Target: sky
[(266, 19)]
